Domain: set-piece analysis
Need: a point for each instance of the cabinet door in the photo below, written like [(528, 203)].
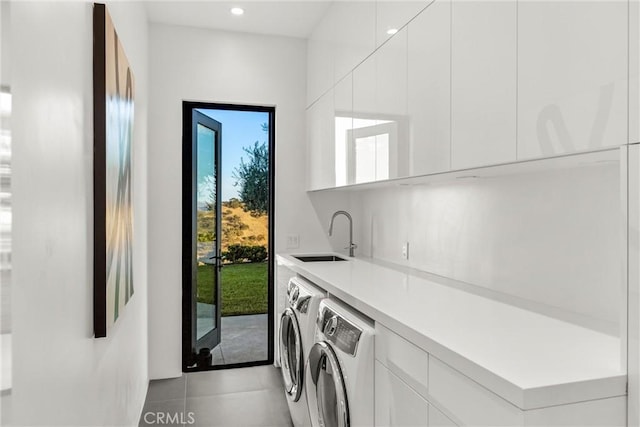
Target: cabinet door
[(429, 89), (483, 83), (572, 76), (343, 122), (391, 77), (391, 101), (320, 146), (396, 404), (353, 34), (405, 360), (364, 89), (467, 401), (380, 82), (320, 60), (378, 145)]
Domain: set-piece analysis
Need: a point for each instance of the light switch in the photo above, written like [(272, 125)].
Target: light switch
[(293, 241)]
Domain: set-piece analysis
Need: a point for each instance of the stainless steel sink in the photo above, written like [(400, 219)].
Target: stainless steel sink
[(318, 258)]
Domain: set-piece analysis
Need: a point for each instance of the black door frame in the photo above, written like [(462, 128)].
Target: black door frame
[(187, 232)]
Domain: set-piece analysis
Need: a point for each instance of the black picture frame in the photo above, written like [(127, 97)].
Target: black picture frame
[(113, 106)]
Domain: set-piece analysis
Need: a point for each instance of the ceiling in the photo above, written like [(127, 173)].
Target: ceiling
[(285, 18)]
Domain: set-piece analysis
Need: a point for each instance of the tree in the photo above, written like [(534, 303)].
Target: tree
[(253, 177), (207, 192)]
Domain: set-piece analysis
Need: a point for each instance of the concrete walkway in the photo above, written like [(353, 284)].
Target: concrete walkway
[(244, 339)]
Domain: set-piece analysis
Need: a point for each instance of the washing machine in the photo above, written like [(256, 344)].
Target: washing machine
[(339, 372), (297, 329)]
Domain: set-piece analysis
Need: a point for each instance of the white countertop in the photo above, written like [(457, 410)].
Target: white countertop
[(529, 359)]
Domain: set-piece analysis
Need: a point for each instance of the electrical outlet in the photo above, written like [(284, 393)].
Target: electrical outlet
[(405, 251), (293, 241)]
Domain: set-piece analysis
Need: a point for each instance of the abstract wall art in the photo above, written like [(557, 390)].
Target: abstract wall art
[(113, 98)]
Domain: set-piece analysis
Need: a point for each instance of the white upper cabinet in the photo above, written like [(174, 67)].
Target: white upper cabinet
[(391, 77), (320, 60), (320, 145), (364, 89), (429, 89), (391, 16), (343, 122), (363, 151), (378, 145), (354, 30), (483, 121), (572, 76)]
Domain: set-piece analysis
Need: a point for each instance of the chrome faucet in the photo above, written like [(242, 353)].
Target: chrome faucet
[(352, 245)]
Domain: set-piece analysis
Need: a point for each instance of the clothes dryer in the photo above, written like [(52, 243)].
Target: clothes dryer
[(297, 329), (339, 374)]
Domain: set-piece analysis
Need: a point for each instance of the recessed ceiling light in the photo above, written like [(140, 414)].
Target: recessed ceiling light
[(237, 11), (392, 31)]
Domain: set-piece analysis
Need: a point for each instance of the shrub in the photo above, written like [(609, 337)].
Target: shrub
[(206, 236), (240, 253), (257, 253)]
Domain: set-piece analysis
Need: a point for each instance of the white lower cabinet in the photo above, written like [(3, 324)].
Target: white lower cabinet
[(396, 403), (414, 388), (407, 361), (468, 401)]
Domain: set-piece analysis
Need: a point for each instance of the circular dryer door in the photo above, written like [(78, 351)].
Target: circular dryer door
[(291, 354), (326, 378)]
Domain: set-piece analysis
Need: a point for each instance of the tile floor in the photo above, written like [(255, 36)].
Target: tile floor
[(230, 397)]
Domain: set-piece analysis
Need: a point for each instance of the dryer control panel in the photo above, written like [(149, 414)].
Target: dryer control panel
[(339, 331)]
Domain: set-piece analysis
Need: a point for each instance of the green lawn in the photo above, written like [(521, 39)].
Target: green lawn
[(244, 288)]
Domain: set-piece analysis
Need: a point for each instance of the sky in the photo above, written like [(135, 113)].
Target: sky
[(239, 129)]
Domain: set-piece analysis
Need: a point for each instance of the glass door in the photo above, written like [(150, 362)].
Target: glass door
[(227, 216), (204, 253)]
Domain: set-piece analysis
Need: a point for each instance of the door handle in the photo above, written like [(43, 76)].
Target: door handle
[(218, 259)]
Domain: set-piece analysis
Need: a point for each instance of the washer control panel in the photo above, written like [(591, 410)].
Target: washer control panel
[(339, 331), (293, 291), (298, 298)]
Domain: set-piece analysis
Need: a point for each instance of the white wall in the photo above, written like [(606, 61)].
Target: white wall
[(551, 237), (634, 74), (203, 65), (62, 375), (5, 126)]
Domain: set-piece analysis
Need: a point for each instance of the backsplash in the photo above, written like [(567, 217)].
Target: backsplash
[(552, 238)]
